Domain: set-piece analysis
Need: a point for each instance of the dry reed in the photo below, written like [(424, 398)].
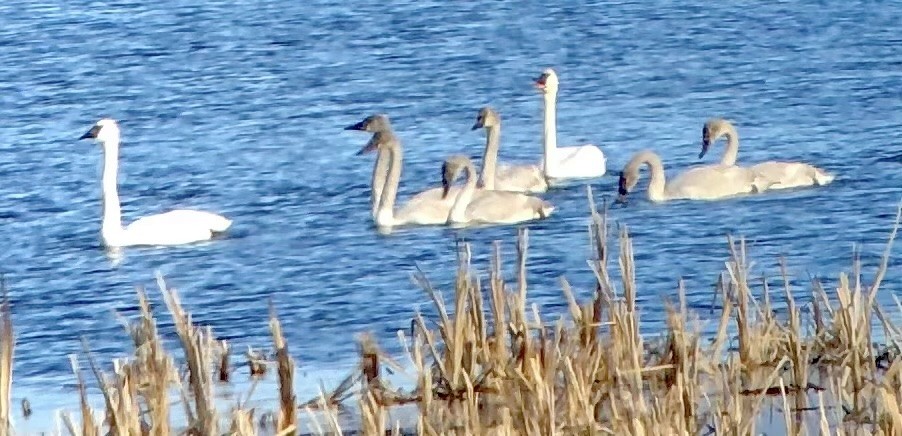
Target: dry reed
[(7, 345), (491, 363)]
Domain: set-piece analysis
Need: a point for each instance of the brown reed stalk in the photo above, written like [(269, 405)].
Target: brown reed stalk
[(156, 369), (198, 345), (287, 420), (88, 426), (7, 348)]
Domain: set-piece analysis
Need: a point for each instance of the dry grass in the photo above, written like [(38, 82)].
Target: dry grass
[(491, 363)]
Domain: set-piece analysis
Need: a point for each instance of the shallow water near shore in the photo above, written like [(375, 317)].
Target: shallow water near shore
[(238, 108)]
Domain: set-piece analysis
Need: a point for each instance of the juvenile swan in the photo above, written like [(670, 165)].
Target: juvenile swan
[(484, 206), (513, 178), (422, 211), (704, 183), (376, 123), (180, 226), (783, 175), (579, 162), (381, 123)]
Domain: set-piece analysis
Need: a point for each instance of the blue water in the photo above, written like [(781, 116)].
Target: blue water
[(238, 107)]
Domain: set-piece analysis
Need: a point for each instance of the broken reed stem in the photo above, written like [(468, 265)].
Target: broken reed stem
[(225, 353), (7, 346), (287, 420)]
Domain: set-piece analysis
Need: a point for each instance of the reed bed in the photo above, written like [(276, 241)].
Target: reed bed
[(490, 363)]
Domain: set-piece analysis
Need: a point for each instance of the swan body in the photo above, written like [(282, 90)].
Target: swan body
[(472, 206), (176, 227), (576, 162), (425, 208), (701, 183), (782, 175), (500, 177)]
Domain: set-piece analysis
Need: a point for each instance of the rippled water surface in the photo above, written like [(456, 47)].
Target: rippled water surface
[(238, 107)]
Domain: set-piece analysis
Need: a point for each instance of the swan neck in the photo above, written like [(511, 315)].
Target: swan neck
[(380, 173), (657, 181), (112, 210), (385, 216), (464, 197), (732, 151), (549, 132), (490, 156)]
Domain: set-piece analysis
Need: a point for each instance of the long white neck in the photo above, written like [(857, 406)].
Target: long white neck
[(549, 132), (732, 151), (111, 226), (458, 212), (386, 216), (380, 173), (490, 157), (657, 181)]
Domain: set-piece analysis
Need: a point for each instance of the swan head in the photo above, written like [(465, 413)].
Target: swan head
[(627, 182), (373, 123), (487, 118), (547, 82), (451, 169), (104, 131), (711, 131)]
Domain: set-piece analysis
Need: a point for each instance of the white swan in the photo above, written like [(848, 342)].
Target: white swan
[(783, 175), (577, 162), (420, 209), (428, 198), (495, 177), (485, 206), (176, 227), (701, 183)]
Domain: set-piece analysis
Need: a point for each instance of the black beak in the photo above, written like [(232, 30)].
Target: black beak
[(359, 126), (477, 125), (446, 184), (622, 193), (91, 134), (370, 146), (706, 144)]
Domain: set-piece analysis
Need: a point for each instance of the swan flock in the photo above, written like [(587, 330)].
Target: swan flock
[(499, 193)]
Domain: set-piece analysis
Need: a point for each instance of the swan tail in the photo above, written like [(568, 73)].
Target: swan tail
[(216, 223), (220, 224), (822, 177)]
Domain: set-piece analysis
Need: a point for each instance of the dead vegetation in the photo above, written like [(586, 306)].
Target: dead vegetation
[(490, 363)]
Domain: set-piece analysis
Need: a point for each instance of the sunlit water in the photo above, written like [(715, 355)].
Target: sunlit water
[(238, 107)]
